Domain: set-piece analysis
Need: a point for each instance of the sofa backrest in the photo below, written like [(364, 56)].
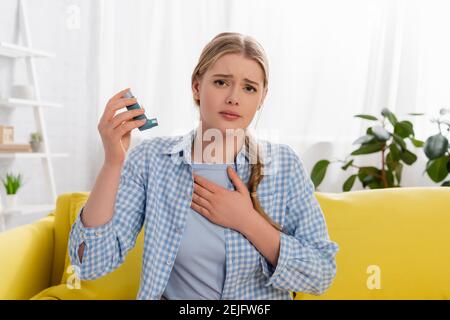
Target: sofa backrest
[(394, 243)]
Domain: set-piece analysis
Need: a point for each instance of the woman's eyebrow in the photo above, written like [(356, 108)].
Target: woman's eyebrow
[(231, 76)]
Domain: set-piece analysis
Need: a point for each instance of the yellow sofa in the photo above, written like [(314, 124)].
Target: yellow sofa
[(394, 244)]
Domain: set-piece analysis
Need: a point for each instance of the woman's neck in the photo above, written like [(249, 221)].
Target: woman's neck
[(224, 150)]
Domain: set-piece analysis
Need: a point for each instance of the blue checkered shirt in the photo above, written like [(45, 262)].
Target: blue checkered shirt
[(155, 192)]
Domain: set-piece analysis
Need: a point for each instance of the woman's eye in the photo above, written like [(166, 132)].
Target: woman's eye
[(221, 81)]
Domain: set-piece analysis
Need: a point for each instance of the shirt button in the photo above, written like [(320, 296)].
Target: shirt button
[(169, 262), (97, 233)]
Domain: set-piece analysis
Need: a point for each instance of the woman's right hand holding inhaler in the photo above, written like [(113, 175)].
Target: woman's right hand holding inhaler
[(115, 129)]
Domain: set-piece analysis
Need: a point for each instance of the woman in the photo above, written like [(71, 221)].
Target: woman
[(241, 222)]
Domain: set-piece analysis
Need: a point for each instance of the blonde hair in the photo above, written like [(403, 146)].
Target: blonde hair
[(228, 43)]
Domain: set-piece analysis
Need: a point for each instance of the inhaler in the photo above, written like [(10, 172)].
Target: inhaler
[(150, 122)]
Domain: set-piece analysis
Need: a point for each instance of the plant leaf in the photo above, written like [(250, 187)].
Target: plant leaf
[(348, 184), (348, 164), (437, 168), (399, 140), (408, 157), (395, 153), (318, 172), (391, 117), (404, 129), (435, 146), (391, 163), (367, 175), (367, 117), (364, 139), (380, 133), (369, 148), (390, 178), (376, 184), (398, 172), (417, 143)]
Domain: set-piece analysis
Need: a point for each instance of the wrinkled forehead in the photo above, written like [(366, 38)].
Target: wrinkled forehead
[(238, 66)]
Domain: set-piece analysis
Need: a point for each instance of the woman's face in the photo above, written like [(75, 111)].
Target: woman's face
[(233, 84)]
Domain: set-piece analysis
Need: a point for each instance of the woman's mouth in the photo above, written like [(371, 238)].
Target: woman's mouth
[(229, 116)]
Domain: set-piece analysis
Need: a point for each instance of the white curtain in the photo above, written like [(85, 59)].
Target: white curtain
[(329, 60)]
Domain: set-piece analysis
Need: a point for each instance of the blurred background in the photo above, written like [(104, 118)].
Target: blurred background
[(61, 60)]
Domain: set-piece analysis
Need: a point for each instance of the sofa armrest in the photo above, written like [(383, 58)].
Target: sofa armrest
[(26, 253)]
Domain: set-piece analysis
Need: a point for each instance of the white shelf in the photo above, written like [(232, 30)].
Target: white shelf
[(27, 51), (16, 102), (11, 50), (26, 209), (16, 155)]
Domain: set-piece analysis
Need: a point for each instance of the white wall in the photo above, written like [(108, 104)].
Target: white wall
[(72, 79), (69, 79)]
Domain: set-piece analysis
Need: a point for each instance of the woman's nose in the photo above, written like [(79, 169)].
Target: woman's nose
[(232, 101)]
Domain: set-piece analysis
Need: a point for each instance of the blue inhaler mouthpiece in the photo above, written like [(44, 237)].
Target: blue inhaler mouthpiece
[(150, 122)]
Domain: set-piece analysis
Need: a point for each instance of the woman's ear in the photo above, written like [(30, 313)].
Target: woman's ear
[(196, 88)]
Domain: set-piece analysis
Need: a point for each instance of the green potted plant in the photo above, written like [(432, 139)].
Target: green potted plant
[(389, 141), (12, 184), (36, 141), (437, 150)]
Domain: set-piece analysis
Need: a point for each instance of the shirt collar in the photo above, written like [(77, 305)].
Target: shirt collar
[(182, 147)]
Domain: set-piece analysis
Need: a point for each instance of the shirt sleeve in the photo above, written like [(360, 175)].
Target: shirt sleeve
[(107, 245), (306, 261)]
